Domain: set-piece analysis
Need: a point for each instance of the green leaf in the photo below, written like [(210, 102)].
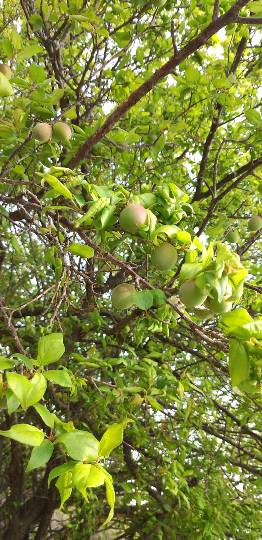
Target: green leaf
[(40, 455), (6, 363), (58, 186), (80, 445), (64, 486), (83, 251), (238, 317), (47, 417), (112, 438), (37, 73), (59, 376), (56, 96), (60, 470), (159, 297), (28, 52), (50, 348), (94, 209), (192, 75), (143, 299), (189, 271), (159, 144), (24, 360), (238, 362), (25, 434), (183, 237), (96, 476), (154, 403), (110, 497), (252, 329), (28, 392), (12, 402), (36, 21), (79, 478)]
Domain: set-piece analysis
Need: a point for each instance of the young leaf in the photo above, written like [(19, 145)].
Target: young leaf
[(64, 486), (80, 445), (58, 186), (112, 438), (28, 392), (47, 417), (80, 474), (59, 376), (50, 348), (96, 476), (110, 497), (25, 434), (60, 470), (12, 402), (238, 362), (40, 455)]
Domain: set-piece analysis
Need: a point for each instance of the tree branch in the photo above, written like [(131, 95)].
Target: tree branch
[(215, 125), (160, 74), (244, 171), (249, 20)]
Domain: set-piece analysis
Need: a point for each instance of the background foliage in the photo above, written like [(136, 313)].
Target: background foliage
[(164, 105)]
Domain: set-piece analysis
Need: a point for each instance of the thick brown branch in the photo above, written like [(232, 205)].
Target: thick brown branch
[(249, 20)]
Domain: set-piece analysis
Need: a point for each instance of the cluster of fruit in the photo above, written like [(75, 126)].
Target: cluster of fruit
[(164, 257), (207, 289), (254, 224), (44, 132), (6, 89)]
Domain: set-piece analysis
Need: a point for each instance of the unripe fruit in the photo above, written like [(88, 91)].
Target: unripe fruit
[(122, 296), (132, 217), (218, 307), (254, 223), (6, 89), (6, 70), (191, 295), (42, 132), (233, 237), (164, 257), (62, 131)]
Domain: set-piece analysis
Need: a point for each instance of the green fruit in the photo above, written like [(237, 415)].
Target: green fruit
[(254, 223), (133, 217), (260, 188), (62, 131), (164, 257), (6, 70), (42, 132), (6, 89), (218, 307), (122, 296), (233, 237), (191, 295)]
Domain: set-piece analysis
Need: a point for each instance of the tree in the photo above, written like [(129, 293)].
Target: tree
[(130, 270)]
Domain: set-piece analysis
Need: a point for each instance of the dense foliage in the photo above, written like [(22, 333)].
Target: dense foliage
[(130, 293)]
